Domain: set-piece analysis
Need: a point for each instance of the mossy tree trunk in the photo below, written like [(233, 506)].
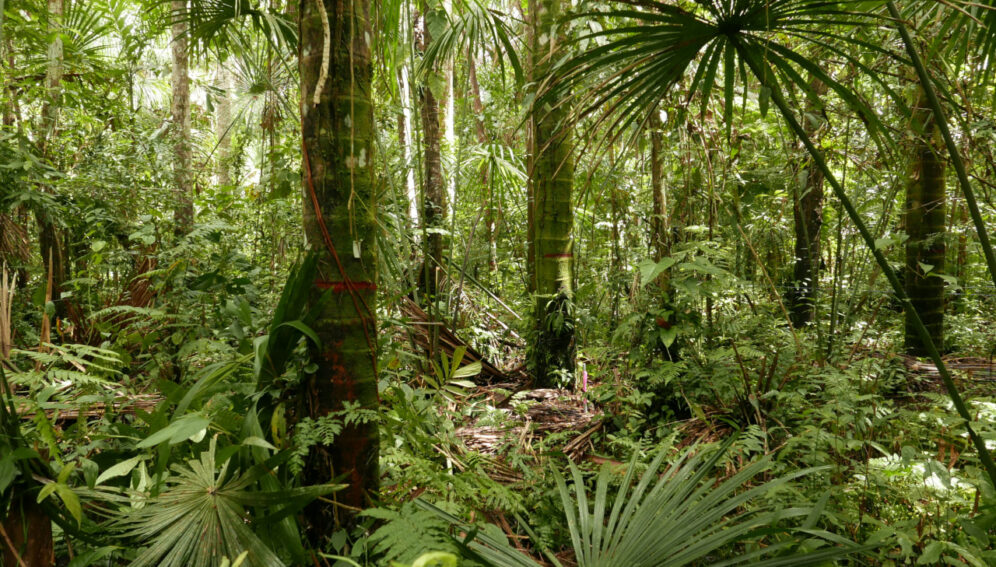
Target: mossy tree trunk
[(808, 214), (183, 214), (552, 176), (433, 185), (924, 221), (339, 224)]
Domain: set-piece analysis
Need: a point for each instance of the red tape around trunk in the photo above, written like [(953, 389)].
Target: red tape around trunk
[(340, 287)]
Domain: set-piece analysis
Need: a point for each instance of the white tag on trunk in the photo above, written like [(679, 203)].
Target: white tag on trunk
[(356, 249)]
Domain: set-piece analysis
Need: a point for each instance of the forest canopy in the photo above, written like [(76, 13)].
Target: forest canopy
[(498, 283)]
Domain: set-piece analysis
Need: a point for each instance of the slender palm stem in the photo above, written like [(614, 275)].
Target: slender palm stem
[(940, 119), (766, 80)]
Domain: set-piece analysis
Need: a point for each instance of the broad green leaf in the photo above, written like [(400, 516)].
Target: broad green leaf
[(120, 469), (180, 430), (305, 330), (258, 442), (472, 369), (71, 500), (649, 270)]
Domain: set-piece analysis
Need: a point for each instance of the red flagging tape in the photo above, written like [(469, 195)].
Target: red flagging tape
[(558, 255), (340, 287)]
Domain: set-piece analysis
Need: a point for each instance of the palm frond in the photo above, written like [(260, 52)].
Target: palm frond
[(657, 45), (676, 516), (202, 517), (226, 25), (475, 27)]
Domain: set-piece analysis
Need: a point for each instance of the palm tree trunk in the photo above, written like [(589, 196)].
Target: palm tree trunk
[(530, 72), (808, 212), (183, 215), (925, 225), (339, 223), (552, 174), (434, 188)]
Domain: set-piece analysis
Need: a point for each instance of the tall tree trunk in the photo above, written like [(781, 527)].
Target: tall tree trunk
[(924, 222), (339, 224), (53, 253), (406, 135), (808, 213), (433, 186), (961, 260), (660, 241), (183, 215), (30, 533), (552, 174), (223, 125), (486, 181), (450, 142), (7, 82), (530, 153)]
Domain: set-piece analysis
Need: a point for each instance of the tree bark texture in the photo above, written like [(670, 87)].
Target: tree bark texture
[(924, 220), (553, 215), (339, 224), (433, 185), (30, 533), (808, 215), (183, 214)]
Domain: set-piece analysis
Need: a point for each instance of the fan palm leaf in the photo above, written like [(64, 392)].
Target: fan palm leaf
[(201, 518), (228, 25), (674, 516), (473, 26), (659, 44)]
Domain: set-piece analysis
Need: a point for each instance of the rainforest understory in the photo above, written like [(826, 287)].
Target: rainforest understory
[(497, 283)]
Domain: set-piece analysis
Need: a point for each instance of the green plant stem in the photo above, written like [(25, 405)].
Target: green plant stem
[(776, 96), (940, 119)]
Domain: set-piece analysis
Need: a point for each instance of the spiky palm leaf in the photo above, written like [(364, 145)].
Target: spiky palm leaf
[(676, 516), (201, 518), (228, 25), (472, 26), (657, 44)]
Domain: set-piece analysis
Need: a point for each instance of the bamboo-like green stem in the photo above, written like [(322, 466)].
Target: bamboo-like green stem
[(940, 119), (921, 330)]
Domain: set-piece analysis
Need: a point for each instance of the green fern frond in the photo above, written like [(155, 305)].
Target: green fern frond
[(408, 533), (136, 312)]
